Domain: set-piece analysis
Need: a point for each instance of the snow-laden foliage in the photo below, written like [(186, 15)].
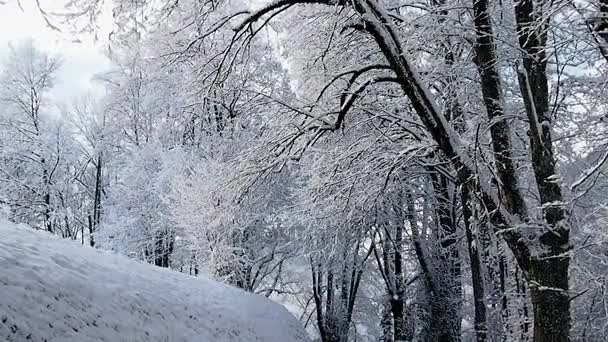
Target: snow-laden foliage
[(389, 170)]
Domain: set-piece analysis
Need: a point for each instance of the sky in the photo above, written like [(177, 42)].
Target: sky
[(81, 60)]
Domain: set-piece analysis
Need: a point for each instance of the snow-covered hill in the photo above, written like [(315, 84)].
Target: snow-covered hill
[(56, 290)]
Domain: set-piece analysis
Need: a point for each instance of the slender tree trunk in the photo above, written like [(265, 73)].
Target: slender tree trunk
[(334, 301), (91, 230), (429, 281), (504, 299), (400, 329), (447, 304), (47, 212), (524, 325), (48, 225), (96, 202), (481, 329)]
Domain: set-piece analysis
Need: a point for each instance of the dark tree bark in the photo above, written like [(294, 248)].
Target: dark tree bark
[(397, 295), (46, 181), (481, 329), (445, 307), (524, 325), (94, 223), (161, 249), (455, 116), (386, 322), (601, 23), (335, 298), (466, 184), (441, 277), (429, 282), (485, 58), (504, 298), (548, 274), (390, 263)]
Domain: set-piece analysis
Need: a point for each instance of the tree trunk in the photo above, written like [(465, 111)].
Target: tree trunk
[(481, 329), (91, 230), (548, 273), (524, 325), (334, 300), (96, 203), (429, 280), (398, 299), (446, 304), (504, 299), (163, 248), (386, 322), (550, 300), (48, 225), (399, 323)]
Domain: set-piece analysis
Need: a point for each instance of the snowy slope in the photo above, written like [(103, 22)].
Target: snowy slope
[(56, 290)]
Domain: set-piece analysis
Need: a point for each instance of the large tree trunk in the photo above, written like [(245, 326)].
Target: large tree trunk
[(551, 303), (548, 273), (399, 322), (485, 58)]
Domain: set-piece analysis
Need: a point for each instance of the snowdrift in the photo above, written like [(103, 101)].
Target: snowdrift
[(56, 290)]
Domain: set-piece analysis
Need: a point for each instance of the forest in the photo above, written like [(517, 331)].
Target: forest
[(388, 170)]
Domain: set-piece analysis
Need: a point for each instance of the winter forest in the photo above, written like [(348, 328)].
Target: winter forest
[(388, 170)]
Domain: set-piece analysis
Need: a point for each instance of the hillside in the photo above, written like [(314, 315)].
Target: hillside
[(57, 290)]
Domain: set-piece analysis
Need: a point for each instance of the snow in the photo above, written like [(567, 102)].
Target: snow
[(56, 290)]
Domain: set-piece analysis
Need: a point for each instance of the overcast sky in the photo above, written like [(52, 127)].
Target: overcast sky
[(80, 60)]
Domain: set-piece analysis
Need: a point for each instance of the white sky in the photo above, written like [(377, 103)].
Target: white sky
[(80, 60)]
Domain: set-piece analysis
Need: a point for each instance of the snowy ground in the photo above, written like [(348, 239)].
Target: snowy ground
[(57, 290)]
